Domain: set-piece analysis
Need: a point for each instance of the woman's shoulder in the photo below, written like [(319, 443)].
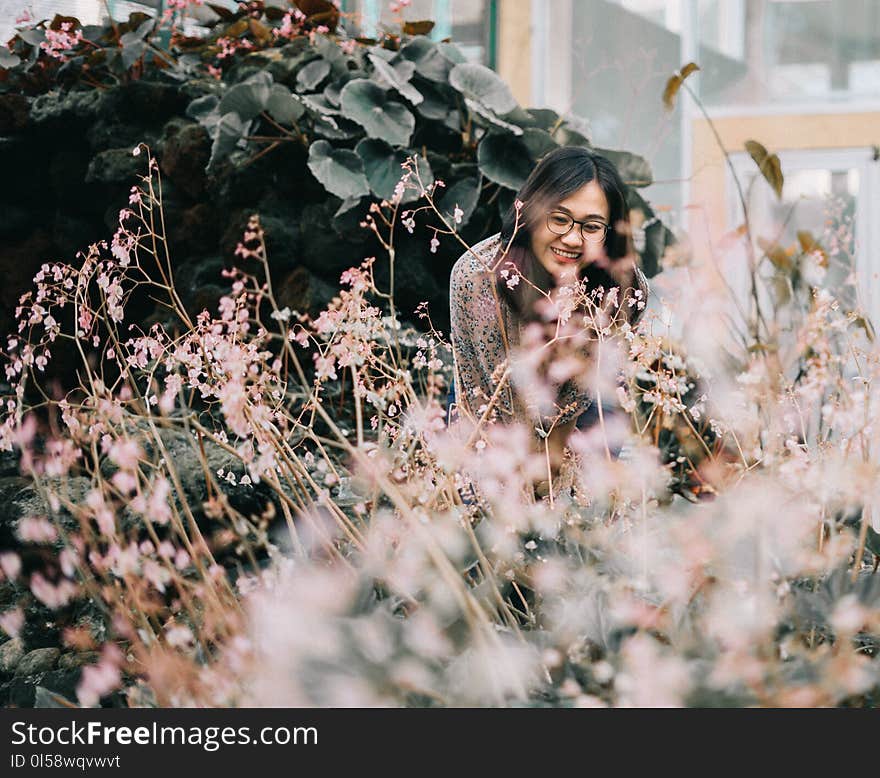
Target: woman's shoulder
[(478, 258)]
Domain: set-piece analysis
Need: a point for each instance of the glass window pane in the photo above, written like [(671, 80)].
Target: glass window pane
[(812, 199), (622, 55), (769, 50)]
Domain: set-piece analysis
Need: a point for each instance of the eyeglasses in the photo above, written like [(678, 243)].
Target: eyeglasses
[(592, 230)]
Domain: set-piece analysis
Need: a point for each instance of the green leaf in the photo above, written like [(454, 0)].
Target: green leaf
[(464, 194), (633, 169), (283, 106), (397, 77), (229, 132), (137, 35), (367, 104), (383, 166), (545, 118), (429, 62), (335, 128), (768, 164), (538, 142), (8, 59), (32, 37), (489, 116), (312, 74), (504, 159), (248, 98), (435, 104), (340, 171), (483, 85), (202, 106), (132, 52), (319, 104)]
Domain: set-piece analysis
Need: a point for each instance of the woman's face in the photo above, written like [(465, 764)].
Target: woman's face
[(564, 256)]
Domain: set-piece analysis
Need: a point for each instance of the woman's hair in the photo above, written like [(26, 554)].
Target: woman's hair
[(559, 174)]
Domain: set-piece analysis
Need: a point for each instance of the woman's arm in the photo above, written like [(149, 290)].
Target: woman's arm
[(477, 333)]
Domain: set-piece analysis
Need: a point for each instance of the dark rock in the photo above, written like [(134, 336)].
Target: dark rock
[(57, 682), (67, 174), (40, 660), (14, 112), (107, 133), (193, 231), (16, 221), (300, 290), (116, 166), (64, 112), (72, 230), (322, 249), (17, 693), (184, 153), (75, 660), (11, 654), (152, 102), (20, 261)]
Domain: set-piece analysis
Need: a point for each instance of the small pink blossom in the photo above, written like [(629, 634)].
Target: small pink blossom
[(36, 529), (53, 595), (10, 564), (100, 679), (12, 621)]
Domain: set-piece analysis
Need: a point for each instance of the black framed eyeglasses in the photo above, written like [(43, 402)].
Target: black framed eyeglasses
[(592, 230)]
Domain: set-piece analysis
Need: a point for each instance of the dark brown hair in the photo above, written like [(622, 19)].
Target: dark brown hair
[(559, 174)]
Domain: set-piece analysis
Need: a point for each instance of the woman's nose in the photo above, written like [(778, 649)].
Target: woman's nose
[(573, 237)]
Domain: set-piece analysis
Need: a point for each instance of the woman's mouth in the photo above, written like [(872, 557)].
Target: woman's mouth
[(565, 256)]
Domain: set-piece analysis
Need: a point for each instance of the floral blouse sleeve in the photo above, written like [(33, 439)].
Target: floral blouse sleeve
[(477, 330)]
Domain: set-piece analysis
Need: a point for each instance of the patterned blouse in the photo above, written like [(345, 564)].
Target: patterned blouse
[(485, 329)]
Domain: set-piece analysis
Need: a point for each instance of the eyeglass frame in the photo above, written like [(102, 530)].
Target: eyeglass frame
[(581, 224)]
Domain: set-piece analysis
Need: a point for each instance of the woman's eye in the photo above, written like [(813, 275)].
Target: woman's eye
[(594, 227), (560, 220)]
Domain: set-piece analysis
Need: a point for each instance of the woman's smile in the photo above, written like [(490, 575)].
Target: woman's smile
[(561, 255), (566, 255)]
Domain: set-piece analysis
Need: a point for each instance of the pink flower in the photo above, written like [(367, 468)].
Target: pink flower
[(12, 621), (325, 367), (53, 595), (125, 453), (36, 529), (10, 564), (100, 679), (60, 41)]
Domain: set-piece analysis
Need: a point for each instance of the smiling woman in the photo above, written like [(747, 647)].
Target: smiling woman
[(569, 225)]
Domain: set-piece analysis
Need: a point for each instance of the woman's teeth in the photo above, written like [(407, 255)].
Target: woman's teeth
[(565, 254)]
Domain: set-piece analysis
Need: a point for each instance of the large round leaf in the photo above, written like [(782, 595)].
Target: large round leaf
[(429, 62), (248, 98), (633, 169), (489, 116), (383, 166), (228, 133), (435, 104), (483, 85), (312, 74), (397, 77), (282, 106), (538, 142), (368, 105), (339, 170), (464, 195), (504, 159)]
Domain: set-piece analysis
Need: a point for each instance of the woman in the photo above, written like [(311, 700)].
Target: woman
[(569, 223)]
